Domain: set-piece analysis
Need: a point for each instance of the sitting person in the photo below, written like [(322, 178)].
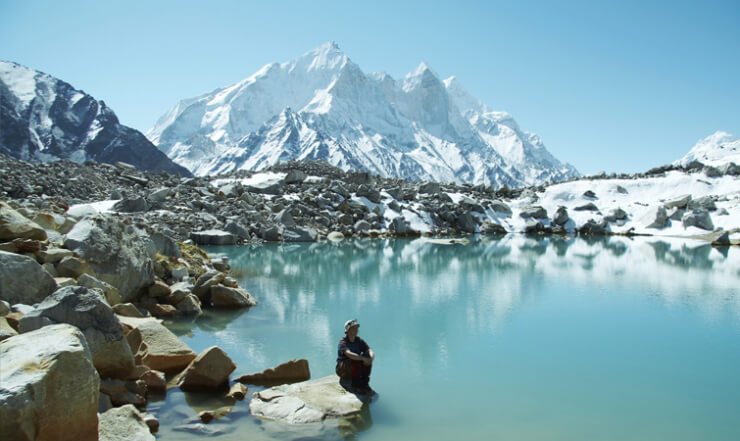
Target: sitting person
[(355, 360)]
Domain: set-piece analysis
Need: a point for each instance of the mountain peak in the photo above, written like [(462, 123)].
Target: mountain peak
[(327, 56), (421, 70), (716, 149)]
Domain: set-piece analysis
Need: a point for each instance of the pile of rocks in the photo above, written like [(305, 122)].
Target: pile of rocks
[(77, 332)]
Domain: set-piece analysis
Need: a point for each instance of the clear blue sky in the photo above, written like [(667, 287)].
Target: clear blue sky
[(609, 85)]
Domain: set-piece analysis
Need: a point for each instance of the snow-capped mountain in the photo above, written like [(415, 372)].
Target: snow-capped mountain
[(716, 149), (45, 119), (323, 106)]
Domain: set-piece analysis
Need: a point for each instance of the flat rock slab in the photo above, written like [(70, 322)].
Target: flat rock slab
[(306, 402)]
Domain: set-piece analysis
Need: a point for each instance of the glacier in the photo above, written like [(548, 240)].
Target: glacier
[(321, 105)]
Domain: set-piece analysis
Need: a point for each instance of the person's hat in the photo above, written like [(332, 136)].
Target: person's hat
[(350, 323)]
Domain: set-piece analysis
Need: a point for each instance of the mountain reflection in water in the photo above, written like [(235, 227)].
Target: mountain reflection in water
[(516, 338)]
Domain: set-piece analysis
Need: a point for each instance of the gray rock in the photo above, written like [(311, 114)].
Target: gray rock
[(293, 371), (465, 222), (49, 387), (698, 218), (209, 371), (656, 217), (361, 226), (676, 214), (400, 226), (23, 279), (212, 237), (722, 240), (621, 190), (535, 212), (679, 202), (128, 310), (14, 225), (711, 172), (178, 291), (53, 255), (500, 207), (730, 169), (494, 229), (4, 308), (372, 194), (587, 207), (6, 331), (207, 280), (266, 187), (237, 230), (591, 227), (703, 203), (536, 227), (123, 423), (339, 189), (345, 219), (306, 402), (157, 346), (430, 188), (295, 177), (270, 233), (225, 297), (231, 189), (615, 215), (133, 205), (87, 310), (159, 195), (110, 292), (589, 194), (190, 305), (165, 244), (299, 234), (284, 217), (119, 254), (73, 267), (561, 216)]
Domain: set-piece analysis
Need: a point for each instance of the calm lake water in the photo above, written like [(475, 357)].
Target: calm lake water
[(510, 339)]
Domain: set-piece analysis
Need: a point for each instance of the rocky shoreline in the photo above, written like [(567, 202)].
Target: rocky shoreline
[(311, 200), (81, 337), (93, 256)]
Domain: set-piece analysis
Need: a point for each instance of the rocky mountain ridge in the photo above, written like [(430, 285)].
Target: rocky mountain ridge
[(45, 119), (322, 106)]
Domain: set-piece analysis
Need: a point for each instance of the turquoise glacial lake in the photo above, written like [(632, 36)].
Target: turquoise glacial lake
[(509, 339)]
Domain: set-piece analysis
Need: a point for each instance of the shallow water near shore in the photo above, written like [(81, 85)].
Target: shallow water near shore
[(511, 339)]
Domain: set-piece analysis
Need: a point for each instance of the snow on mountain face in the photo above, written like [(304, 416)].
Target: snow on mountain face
[(715, 150), (45, 119), (323, 106)]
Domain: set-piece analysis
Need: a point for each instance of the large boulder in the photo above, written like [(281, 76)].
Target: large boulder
[(213, 237), (14, 225), (23, 280), (655, 217), (120, 254), (290, 372), (372, 194), (208, 371), (157, 346), (500, 207), (226, 297), (533, 212), (465, 222), (48, 386), (307, 402), (87, 310), (299, 234), (561, 216), (698, 218), (123, 423)]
